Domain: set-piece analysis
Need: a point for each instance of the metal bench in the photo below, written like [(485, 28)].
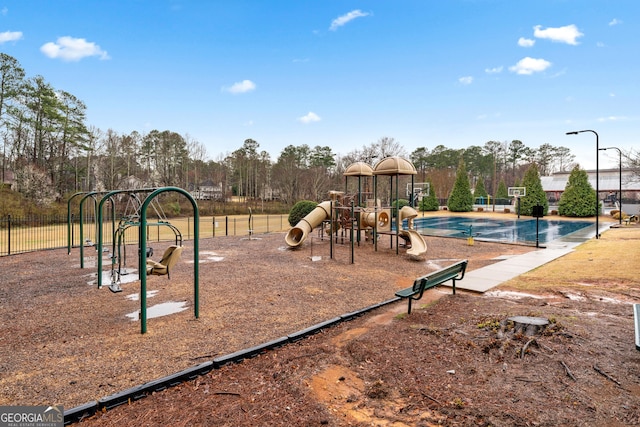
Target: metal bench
[(453, 272), (636, 318)]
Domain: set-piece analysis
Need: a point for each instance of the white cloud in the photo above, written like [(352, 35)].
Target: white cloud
[(486, 116), (10, 36), (241, 87), (559, 73), (612, 118), (72, 49), (467, 80), (567, 34), (614, 21), (494, 70), (529, 66), (344, 19), (310, 117), (526, 42)]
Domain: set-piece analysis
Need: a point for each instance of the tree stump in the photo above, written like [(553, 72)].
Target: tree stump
[(528, 325)]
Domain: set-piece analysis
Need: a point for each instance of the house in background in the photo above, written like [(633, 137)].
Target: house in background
[(207, 190), (8, 178)]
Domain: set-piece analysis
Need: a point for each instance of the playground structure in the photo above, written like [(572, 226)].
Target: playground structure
[(361, 215), (135, 215)]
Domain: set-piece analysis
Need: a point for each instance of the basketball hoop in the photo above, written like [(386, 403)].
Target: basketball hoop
[(517, 192)]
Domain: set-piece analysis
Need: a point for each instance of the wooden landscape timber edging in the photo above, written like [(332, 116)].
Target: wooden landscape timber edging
[(132, 394)]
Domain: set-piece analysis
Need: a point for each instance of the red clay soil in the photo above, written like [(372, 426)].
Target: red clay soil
[(456, 360)]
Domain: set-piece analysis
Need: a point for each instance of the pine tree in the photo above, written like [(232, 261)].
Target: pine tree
[(480, 191), (579, 197), (535, 193), (461, 199), (502, 192), (430, 201)]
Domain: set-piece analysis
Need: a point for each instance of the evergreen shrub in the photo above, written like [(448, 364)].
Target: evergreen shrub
[(400, 203), (461, 199), (430, 202), (300, 210), (535, 193), (579, 197)]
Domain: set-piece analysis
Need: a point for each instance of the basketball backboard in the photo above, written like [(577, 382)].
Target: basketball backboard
[(418, 188), (517, 191)]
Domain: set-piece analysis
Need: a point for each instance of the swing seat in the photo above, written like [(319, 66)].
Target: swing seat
[(164, 266)]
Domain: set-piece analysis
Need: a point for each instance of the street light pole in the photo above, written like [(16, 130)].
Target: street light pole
[(620, 182), (597, 174)]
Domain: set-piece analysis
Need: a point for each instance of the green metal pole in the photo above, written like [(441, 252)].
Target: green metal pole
[(90, 194), (359, 206), (99, 220), (69, 222), (143, 254), (196, 252), (142, 266), (99, 238), (397, 208), (375, 212), (99, 216), (353, 224), (331, 207)]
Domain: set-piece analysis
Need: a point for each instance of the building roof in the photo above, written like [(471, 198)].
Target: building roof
[(608, 180)]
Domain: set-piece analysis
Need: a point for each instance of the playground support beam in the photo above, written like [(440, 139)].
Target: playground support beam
[(81, 219), (99, 243), (375, 212), (397, 211), (69, 243), (91, 194), (81, 222), (143, 253)]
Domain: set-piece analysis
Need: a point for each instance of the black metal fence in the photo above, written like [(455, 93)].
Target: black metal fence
[(19, 234), (31, 233)]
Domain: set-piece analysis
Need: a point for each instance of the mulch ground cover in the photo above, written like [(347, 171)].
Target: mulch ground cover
[(456, 360)]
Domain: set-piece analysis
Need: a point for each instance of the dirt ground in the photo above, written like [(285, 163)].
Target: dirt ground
[(456, 360)]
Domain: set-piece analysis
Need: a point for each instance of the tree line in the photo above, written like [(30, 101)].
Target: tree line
[(52, 152)]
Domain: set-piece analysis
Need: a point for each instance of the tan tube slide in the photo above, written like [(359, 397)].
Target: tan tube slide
[(299, 233), (418, 245)]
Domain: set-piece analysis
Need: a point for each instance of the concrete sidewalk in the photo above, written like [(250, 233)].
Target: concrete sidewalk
[(486, 278)]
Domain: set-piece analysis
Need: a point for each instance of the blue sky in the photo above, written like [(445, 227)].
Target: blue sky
[(343, 73)]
